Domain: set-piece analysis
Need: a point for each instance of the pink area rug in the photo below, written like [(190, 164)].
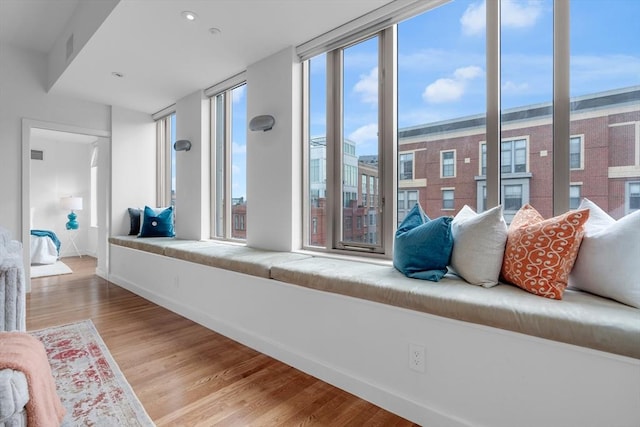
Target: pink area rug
[(90, 384)]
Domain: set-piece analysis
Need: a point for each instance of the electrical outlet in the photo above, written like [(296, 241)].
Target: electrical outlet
[(416, 357)]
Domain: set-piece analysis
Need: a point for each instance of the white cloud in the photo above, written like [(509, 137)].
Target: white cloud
[(473, 19), (364, 134), (238, 148), (235, 169), (367, 87), (513, 14), (512, 88), (520, 14), (467, 73), (451, 89), (443, 90)]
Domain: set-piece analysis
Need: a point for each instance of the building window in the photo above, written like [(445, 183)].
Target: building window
[(363, 186), (448, 199), (513, 156), (575, 153), (632, 196), (574, 196), (512, 197), (229, 163), (483, 159), (406, 201), (166, 160), (405, 166), (448, 164)]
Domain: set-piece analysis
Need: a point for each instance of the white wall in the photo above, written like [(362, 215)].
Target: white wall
[(475, 375), (22, 83), (64, 171), (192, 168), (133, 165), (274, 158)]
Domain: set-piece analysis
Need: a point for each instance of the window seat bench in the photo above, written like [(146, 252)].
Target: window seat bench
[(580, 318)]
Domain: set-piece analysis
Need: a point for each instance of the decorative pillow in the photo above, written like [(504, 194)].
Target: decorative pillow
[(608, 263), (478, 245), (540, 253), (423, 246), (157, 224), (134, 221)]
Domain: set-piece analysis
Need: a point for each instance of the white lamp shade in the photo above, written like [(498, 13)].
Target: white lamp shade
[(71, 203)]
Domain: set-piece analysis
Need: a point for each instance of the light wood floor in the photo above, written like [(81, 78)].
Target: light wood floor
[(183, 373)]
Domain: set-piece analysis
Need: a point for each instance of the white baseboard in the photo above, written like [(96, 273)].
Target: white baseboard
[(401, 405)]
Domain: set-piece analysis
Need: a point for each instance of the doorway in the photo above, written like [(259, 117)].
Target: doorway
[(69, 155)]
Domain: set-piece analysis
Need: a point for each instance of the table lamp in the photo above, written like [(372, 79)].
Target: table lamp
[(73, 204)]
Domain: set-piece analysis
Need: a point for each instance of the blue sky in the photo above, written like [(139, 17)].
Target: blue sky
[(441, 66), (441, 62)]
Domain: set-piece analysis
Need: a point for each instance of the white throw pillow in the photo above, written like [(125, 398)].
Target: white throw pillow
[(478, 245), (608, 262)]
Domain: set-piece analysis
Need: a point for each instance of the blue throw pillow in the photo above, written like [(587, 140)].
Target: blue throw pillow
[(157, 224), (423, 247)]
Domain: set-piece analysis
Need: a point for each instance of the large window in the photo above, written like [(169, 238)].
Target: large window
[(166, 160), (229, 164), (483, 106), (604, 148)]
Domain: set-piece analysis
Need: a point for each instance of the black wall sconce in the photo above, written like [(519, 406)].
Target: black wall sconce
[(263, 123), (182, 145)]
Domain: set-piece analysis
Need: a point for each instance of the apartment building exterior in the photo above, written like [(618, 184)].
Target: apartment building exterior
[(443, 165)]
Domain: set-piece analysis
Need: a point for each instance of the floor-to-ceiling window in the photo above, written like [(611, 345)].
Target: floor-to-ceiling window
[(479, 93), (229, 163)]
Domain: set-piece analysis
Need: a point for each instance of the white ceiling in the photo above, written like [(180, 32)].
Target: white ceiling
[(164, 57)]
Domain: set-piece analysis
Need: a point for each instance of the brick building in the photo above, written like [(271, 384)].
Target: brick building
[(442, 165)]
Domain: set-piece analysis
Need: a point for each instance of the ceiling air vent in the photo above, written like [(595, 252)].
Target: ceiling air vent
[(37, 155), (69, 46)]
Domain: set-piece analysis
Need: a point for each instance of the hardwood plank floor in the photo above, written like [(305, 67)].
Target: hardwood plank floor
[(185, 374)]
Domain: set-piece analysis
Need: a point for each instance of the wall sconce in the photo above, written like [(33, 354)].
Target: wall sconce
[(263, 123), (182, 145)]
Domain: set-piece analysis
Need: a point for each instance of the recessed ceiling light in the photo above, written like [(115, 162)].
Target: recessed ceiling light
[(189, 16), (215, 31), (117, 74)]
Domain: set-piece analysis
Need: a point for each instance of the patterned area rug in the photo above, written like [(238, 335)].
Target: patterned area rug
[(90, 384)]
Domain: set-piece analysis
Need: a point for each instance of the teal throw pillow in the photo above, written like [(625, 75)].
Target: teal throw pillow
[(157, 224), (423, 247)]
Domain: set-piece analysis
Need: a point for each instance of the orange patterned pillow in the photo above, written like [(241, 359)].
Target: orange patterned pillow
[(540, 253)]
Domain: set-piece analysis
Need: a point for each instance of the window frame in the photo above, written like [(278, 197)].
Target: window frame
[(164, 157), (387, 149), (452, 191), (223, 228), (573, 204), (627, 196), (453, 165), (401, 169), (493, 180), (512, 141), (581, 152)]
